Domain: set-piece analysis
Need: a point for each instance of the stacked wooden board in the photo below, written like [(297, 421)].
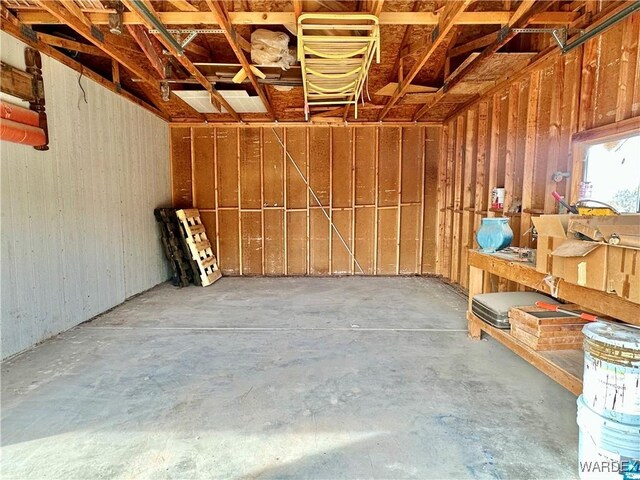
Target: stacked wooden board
[(544, 330), (186, 247)]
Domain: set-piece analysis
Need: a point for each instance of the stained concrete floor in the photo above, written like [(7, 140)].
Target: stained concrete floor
[(322, 378)]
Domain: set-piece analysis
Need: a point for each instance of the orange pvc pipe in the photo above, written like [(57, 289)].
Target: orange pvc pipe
[(19, 114), (20, 133)]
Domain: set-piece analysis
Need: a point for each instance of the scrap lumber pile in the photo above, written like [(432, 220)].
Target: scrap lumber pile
[(543, 330), (186, 247)]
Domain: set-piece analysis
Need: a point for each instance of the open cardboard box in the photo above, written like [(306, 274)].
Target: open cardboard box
[(614, 269), (625, 227), (559, 254)]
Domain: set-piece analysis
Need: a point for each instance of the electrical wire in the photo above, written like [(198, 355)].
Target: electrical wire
[(84, 93), (306, 182)]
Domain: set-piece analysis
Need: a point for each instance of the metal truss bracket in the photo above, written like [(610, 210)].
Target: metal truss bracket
[(185, 37), (560, 35)]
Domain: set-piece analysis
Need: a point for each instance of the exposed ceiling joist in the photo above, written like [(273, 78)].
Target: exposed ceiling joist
[(231, 36), (526, 10), (288, 18), (103, 40), (68, 44), (183, 5), (152, 51), (450, 14), (13, 27), (182, 59)]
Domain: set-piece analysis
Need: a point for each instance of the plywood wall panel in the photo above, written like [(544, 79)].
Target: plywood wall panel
[(268, 222), (431, 209), (342, 167), (319, 164), (296, 243), (181, 166), (387, 260), (410, 235), (251, 243), (297, 148), (365, 159), (274, 162), (364, 248), (203, 168), (227, 165), (250, 168), (389, 166), (318, 242), (412, 152), (341, 261), (274, 242), (229, 235)]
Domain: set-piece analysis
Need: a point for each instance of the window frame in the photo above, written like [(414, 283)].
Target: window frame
[(581, 141)]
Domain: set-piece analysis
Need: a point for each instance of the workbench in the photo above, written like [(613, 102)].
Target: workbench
[(564, 366)]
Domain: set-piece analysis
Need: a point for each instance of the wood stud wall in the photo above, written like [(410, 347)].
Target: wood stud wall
[(377, 184), (518, 135)]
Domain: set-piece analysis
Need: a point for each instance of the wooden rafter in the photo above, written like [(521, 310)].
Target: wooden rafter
[(405, 41), (287, 18), (104, 42), (297, 8), (520, 18), (13, 27), (185, 62), (231, 36), (67, 44), (151, 48), (451, 12), (183, 5)]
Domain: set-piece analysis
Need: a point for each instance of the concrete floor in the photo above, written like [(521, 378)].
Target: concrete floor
[(283, 378)]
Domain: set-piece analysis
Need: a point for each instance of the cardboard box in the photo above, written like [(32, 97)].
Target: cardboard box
[(623, 273), (552, 232), (600, 229), (581, 263)]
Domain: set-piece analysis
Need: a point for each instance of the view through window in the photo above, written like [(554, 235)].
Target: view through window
[(612, 174)]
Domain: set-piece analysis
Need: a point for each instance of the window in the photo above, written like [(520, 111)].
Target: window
[(612, 174)]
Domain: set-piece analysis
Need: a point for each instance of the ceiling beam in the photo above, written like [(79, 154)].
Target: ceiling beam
[(153, 51), (73, 45), (520, 18), (104, 43), (183, 60), (297, 9), (526, 10), (13, 27), (183, 5), (231, 36), (37, 17), (405, 41), (447, 21), (472, 45)]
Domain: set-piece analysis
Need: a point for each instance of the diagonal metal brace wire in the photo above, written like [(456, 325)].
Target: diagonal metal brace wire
[(306, 182)]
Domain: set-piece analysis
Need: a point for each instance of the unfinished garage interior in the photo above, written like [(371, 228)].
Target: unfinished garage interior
[(320, 239)]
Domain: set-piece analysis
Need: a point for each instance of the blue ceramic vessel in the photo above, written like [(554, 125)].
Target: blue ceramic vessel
[(494, 234)]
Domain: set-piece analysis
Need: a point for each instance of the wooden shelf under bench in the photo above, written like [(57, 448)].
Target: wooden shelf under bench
[(563, 366)]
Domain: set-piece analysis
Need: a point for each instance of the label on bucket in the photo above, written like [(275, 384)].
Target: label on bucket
[(611, 387)]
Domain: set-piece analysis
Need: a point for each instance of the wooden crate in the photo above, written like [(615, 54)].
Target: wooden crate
[(195, 236), (555, 332)]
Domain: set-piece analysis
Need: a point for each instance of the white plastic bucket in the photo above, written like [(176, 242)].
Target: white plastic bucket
[(607, 449), (611, 383)]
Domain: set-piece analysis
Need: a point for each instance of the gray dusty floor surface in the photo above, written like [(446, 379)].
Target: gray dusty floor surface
[(320, 378)]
